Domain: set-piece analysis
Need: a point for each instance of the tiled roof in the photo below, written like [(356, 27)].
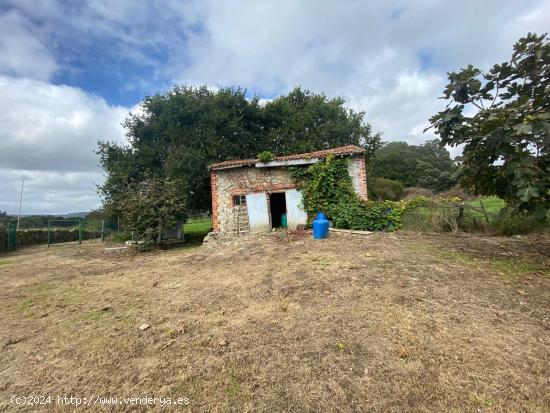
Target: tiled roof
[(343, 150)]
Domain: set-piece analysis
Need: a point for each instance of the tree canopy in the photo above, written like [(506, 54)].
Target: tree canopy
[(427, 166), (150, 206), (177, 134), (506, 140)]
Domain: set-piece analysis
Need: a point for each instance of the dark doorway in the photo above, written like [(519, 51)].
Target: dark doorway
[(277, 204)]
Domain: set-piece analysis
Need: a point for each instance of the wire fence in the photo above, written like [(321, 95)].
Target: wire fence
[(56, 231), (449, 216)]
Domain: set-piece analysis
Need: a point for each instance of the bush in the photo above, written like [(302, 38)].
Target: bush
[(454, 193), (414, 192), (3, 237), (265, 156), (510, 223), (26, 237), (326, 186), (121, 237), (151, 206), (381, 189), (441, 215)]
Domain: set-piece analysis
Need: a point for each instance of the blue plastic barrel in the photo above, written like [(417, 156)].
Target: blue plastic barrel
[(320, 226)]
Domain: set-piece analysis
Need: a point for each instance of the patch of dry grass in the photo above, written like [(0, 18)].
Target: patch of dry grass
[(389, 322)]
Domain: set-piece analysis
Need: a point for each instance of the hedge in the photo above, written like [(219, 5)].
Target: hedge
[(28, 237)]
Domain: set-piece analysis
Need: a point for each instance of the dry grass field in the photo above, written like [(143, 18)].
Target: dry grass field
[(386, 323)]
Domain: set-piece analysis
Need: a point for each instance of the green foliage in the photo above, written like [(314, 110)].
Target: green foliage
[(177, 134), (4, 218), (511, 223), (27, 237), (149, 207), (326, 186), (121, 237), (438, 214), (506, 142), (426, 166), (303, 121), (266, 156), (385, 189)]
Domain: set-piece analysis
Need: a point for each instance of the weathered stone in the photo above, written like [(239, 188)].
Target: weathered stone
[(243, 180)]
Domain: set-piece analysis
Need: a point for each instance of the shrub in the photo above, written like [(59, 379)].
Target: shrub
[(432, 215), (121, 237), (151, 206), (381, 189), (509, 222), (326, 186), (265, 156), (455, 192), (414, 192), (26, 237)]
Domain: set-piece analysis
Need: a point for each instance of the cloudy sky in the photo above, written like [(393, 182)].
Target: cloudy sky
[(70, 71)]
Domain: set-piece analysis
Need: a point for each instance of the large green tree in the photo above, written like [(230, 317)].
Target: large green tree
[(427, 166), (150, 206), (507, 138), (178, 133), (303, 121)]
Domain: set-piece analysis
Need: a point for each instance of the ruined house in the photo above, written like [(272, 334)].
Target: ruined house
[(252, 196)]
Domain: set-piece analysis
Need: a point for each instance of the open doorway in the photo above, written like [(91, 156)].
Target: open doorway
[(277, 205)]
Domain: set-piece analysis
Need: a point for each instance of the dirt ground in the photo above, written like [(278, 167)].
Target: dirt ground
[(382, 323)]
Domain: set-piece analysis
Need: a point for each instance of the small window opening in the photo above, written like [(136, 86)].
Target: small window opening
[(239, 200)]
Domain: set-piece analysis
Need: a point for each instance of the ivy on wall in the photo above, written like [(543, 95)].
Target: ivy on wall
[(326, 186)]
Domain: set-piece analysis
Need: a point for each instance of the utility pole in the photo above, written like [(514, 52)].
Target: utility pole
[(20, 199)]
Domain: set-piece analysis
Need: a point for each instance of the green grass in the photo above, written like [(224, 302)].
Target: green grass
[(194, 226), (492, 204), (195, 230), (6, 262)]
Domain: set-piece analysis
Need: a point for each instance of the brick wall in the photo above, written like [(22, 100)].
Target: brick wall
[(226, 183), (358, 172), (242, 181)]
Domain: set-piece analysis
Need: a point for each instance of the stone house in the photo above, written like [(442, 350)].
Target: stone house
[(251, 196)]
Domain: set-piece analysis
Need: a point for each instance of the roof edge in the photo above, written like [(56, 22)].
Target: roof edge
[(339, 151)]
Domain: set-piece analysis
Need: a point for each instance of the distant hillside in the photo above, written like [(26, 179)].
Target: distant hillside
[(76, 214)]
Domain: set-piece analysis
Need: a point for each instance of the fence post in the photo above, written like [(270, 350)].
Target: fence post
[(79, 231), (460, 214), (102, 230), (48, 233)]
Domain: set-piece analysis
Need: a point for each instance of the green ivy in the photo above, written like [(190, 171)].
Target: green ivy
[(326, 186)]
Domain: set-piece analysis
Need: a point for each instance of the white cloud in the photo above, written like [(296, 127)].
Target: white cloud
[(49, 192), (367, 52), (48, 135), (388, 59), (22, 53)]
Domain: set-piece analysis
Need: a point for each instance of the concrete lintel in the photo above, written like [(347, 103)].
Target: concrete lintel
[(292, 162)]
